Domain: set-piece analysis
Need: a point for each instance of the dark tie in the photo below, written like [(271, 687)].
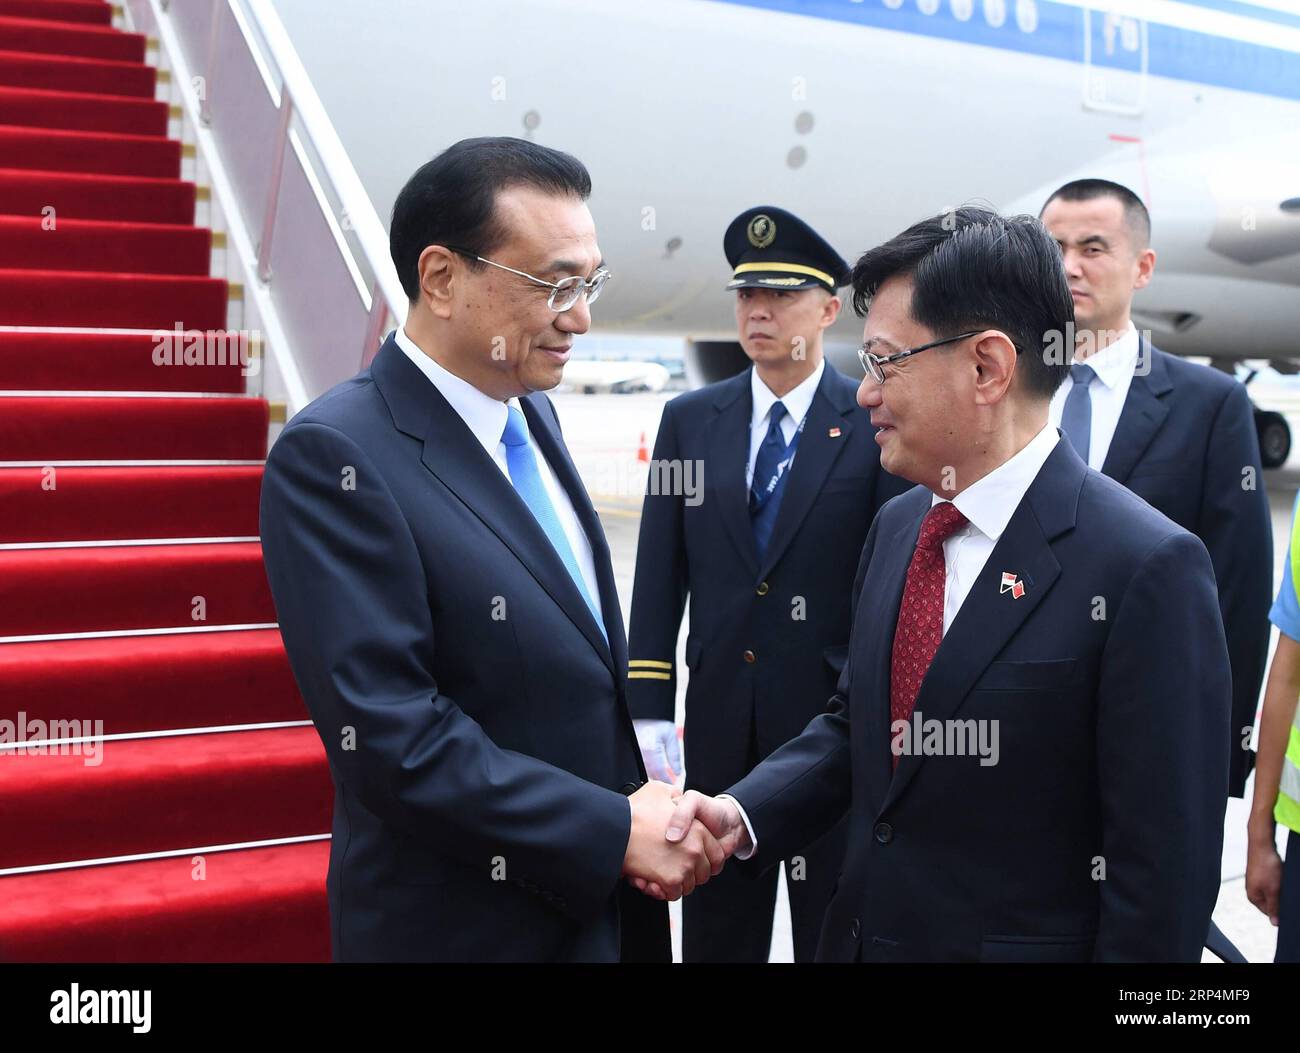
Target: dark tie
[(764, 499), (1076, 418), (919, 630)]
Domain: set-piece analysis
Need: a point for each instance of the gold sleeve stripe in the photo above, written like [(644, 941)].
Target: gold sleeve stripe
[(649, 676), (645, 663)]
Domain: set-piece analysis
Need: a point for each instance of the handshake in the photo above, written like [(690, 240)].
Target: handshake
[(679, 840)]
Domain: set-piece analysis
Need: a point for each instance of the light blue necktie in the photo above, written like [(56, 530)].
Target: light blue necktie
[(1076, 418), (527, 481)]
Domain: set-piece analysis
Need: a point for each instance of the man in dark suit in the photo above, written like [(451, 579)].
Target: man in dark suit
[(766, 551), (1178, 434), (446, 599), (1030, 734)]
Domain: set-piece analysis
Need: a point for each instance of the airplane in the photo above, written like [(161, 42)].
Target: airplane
[(862, 116), (593, 377)]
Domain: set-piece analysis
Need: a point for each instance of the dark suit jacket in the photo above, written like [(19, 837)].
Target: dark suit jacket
[(474, 717), (1185, 438), (790, 610), (1109, 682)]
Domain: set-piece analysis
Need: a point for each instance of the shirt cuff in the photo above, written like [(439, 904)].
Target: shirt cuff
[(753, 841)]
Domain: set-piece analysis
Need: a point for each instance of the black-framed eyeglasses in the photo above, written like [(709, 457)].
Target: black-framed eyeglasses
[(564, 293), (874, 364)]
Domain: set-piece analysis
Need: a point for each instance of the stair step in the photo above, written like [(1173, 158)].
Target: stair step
[(75, 590), (113, 428), (252, 905), (110, 504), (78, 195), (208, 789), (155, 682), (104, 245), (30, 70), (61, 38), (106, 153), (58, 360), (90, 12), (82, 111), (111, 301)]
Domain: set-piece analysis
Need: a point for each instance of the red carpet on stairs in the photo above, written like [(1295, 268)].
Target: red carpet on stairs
[(236, 677), (131, 580), (120, 503), (78, 195), (82, 360), (255, 905), (104, 245)]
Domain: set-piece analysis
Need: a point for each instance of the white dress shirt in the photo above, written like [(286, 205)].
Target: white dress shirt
[(1114, 365), (796, 401), (989, 504), (486, 419)]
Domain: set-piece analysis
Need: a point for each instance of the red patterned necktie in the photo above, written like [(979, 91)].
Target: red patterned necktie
[(920, 616)]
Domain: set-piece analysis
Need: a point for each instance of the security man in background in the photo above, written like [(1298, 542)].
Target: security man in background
[(766, 549), (1178, 434)]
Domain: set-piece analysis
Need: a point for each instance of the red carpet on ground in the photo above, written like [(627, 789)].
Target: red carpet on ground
[(129, 588)]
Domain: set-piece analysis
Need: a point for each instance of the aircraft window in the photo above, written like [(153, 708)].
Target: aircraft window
[(962, 9), (894, 4), (1027, 15), (995, 12), (927, 7)]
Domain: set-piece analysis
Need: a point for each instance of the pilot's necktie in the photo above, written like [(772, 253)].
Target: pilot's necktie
[(764, 500), (1076, 418), (919, 630), (527, 480)]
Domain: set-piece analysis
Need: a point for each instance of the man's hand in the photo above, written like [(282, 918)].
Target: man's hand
[(672, 868), (659, 749), (1264, 875), (719, 817)]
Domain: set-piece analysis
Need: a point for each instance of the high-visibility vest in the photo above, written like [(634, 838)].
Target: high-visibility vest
[(1287, 809)]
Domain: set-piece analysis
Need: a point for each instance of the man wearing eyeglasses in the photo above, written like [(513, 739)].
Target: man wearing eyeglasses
[(447, 603), (1030, 734), (792, 480)]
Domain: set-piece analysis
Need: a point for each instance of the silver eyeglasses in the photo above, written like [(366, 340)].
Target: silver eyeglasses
[(875, 364), (564, 293)]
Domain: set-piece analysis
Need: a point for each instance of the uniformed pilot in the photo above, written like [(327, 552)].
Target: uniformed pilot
[(767, 553)]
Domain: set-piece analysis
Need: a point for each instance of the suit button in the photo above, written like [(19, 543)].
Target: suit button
[(855, 929), (750, 657), (762, 588), (884, 833)]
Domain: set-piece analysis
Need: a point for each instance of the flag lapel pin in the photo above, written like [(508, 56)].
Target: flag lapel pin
[(1012, 584)]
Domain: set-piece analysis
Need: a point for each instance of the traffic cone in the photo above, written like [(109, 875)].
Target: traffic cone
[(642, 452)]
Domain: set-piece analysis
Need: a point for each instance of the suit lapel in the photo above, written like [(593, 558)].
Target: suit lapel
[(458, 459), (728, 454), (1145, 410), (989, 617), (816, 453)]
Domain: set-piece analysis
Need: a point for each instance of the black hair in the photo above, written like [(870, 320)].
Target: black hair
[(1135, 213), (451, 199), (971, 268)]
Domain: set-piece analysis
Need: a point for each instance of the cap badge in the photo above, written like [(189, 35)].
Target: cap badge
[(762, 231)]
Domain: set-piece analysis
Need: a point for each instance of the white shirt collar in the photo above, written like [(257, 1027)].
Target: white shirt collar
[(796, 401), (1115, 361), (482, 414), (990, 502)]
